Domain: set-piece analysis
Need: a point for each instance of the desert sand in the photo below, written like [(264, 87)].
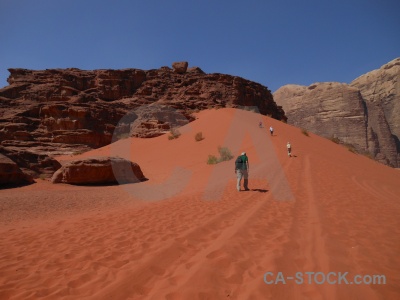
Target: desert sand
[(187, 233)]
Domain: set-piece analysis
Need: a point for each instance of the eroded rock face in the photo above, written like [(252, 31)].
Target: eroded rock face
[(365, 113), (380, 90), (105, 170), (63, 109), (34, 157), (329, 109), (11, 174)]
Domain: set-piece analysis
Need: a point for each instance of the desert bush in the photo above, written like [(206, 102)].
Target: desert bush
[(199, 137), (225, 154), (174, 134), (304, 131), (212, 160)]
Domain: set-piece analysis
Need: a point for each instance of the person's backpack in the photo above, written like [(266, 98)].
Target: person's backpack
[(239, 162)]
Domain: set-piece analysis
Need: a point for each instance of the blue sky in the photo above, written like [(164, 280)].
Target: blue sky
[(270, 42)]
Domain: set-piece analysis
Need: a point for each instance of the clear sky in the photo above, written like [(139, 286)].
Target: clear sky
[(270, 42)]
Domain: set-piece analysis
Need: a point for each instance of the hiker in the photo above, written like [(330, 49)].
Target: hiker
[(289, 149), (242, 171), (260, 124), (271, 130)]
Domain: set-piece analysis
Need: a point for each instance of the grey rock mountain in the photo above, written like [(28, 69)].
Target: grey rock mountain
[(364, 113)]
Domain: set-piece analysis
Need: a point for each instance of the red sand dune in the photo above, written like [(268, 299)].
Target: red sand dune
[(186, 233)]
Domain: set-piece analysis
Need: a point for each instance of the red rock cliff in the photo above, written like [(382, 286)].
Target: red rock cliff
[(62, 111)]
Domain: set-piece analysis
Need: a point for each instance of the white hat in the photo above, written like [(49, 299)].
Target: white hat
[(243, 153)]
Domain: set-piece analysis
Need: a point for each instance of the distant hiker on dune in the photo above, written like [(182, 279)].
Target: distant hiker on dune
[(271, 130), (289, 149), (260, 124), (242, 171)]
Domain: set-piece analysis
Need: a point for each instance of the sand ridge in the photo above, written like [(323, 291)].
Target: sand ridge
[(339, 213)]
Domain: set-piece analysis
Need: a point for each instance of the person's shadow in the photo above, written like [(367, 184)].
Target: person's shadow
[(259, 190)]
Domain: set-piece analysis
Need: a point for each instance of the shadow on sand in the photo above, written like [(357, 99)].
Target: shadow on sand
[(114, 183), (15, 185), (259, 190)]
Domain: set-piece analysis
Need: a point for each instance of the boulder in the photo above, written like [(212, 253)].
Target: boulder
[(103, 170), (180, 67), (11, 174)]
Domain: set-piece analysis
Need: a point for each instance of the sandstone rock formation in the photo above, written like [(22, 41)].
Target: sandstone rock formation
[(67, 111), (381, 91), (11, 174), (33, 158), (364, 113), (104, 170), (180, 67)]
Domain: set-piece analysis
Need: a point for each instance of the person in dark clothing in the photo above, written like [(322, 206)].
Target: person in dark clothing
[(242, 171)]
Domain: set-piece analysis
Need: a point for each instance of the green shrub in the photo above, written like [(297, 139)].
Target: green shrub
[(225, 154), (212, 160), (199, 137)]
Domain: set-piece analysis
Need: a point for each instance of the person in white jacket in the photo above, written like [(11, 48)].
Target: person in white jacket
[(289, 149)]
